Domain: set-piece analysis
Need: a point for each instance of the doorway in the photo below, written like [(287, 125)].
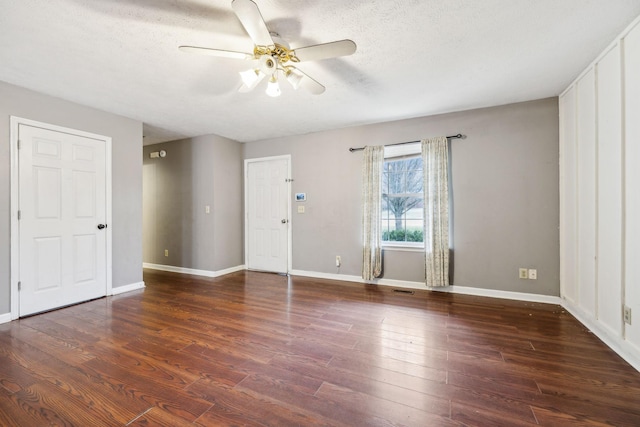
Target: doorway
[(60, 217), (267, 214)]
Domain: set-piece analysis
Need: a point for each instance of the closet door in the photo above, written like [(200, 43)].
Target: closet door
[(610, 191)]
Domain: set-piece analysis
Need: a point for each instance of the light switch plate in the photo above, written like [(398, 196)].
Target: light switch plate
[(300, 209)]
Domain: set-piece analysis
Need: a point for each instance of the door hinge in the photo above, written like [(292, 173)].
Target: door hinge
[(19, 145), (19, 286), (288, 180), (19, 215)]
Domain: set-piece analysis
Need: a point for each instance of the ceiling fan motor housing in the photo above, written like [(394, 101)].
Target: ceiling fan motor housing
[(268, 64)]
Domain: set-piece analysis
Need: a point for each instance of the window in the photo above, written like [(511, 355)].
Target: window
[(402, 197)]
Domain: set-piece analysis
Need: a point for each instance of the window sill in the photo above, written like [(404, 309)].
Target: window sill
[(402, 248)]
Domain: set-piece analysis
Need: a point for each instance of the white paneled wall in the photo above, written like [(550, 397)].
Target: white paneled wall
[(568, 197), (600, 195), (631, 45), (586, 203), (609, 190)]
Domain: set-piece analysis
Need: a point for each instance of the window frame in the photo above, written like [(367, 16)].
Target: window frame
[(398, 152)]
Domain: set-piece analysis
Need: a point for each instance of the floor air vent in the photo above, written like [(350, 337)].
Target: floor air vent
[(403, 291)]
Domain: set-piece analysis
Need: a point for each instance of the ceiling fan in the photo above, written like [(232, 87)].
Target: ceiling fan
[(272, 57)]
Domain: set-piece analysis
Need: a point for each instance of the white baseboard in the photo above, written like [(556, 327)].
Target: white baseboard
[(5, 318), (465, 290), (127, 288), (193, 271), (493, 293), (626, 350)]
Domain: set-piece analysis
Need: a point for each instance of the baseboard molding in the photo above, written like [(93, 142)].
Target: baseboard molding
[(5, 318), (624, 349), (195, 272), (465, 290), (127, 288), (492, 293)]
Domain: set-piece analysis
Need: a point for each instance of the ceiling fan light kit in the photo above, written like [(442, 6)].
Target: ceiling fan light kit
[(274, 55), (273, 88), (294, 77), (250, 79)]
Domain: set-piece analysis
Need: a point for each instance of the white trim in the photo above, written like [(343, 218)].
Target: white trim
[(623, 182), (623, 348), (195, 272), (127, 288), (109, 222), (465, 290), (15, 122), (5, 318), (493, 293), (15, 235), (401, 248), (286, 157)]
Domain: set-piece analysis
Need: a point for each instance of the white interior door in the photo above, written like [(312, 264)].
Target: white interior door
[(62, 203), (267, 214)]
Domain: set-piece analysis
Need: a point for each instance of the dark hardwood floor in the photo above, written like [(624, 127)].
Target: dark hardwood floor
[(255, 349)]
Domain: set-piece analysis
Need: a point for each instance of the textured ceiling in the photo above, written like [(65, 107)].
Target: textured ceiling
[(414, 58)]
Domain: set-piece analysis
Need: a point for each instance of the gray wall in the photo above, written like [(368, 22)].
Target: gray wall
[(504, 188), (126, 137), (196, 172)]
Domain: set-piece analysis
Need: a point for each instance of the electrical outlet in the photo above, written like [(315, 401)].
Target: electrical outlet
[(626, 314), (523, 273), (166, 252), (338, 261), (533, 274)]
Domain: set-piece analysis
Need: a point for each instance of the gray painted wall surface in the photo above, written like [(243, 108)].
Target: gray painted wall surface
[(504, 189), (196, 172), (126, 137)]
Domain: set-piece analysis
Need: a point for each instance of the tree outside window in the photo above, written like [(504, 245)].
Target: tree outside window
[(402, 200)]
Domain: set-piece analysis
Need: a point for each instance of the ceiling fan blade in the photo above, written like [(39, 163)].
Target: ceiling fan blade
[(325, 50), (310, 84), (216, 52), (249, 15)]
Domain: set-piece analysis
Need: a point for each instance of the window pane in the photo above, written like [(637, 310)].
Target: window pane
[(395, 183), (402, 205), (414, 231), (384, 229)]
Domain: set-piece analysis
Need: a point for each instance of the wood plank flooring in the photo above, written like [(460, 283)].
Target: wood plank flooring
[(256, 349)]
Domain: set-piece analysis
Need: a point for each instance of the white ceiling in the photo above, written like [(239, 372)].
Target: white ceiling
[(414, 58)]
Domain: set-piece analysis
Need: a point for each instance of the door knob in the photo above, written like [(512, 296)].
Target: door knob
[(284, 221), (101, 226)]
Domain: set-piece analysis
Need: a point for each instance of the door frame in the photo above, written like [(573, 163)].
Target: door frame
[(286, 157), (15, 123)]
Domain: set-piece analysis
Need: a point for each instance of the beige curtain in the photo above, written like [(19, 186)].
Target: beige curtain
[(371, 212), (435, 157)]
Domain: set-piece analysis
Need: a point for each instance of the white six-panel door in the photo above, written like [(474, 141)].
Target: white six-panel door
[(62, 203), (267, 214)]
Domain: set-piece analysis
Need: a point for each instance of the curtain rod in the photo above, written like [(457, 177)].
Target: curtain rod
[(408, 142)]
